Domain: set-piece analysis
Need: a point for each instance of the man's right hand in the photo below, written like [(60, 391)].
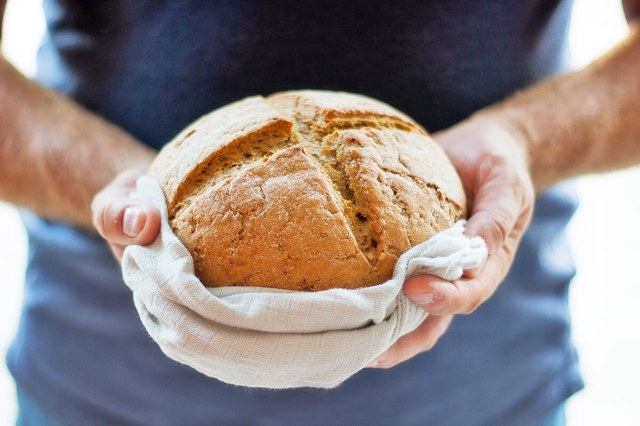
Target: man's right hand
[(121, 219)]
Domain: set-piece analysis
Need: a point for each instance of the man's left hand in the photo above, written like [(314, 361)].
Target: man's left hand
[(492, 162)]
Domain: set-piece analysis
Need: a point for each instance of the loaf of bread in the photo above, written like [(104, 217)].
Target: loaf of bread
[(305, 190)]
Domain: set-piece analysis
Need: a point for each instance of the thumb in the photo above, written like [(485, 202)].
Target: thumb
[(124, 220)]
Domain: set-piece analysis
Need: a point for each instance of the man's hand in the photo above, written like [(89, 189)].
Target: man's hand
[(572, 124), (123, 220), (493, 164)]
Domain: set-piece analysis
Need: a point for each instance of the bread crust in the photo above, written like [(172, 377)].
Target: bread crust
[(305, 190)]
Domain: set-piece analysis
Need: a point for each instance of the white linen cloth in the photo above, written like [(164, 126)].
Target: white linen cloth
[(272, 338)]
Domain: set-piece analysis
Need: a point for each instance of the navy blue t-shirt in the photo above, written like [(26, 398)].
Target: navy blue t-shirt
[(154, 66)]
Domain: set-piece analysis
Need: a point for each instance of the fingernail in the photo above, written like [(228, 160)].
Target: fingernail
[(133, 221), (423, 299), (373, 364)]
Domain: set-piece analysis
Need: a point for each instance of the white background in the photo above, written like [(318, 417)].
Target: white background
[(605, 296)]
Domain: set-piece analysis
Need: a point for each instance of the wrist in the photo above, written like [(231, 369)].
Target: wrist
[(494, 132), (504, 126)]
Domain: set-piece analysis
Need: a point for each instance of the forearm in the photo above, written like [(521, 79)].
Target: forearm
[(583, 122), (54, 155)]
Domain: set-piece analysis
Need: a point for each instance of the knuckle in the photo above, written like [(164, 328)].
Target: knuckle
[(471, 308), (485, 286), (96, 219), (111, 215), (521, 187), (488, 290), (527, 210), (522, 190), (429, 343), (388, 361), (97, 208), (501, 170), (385, 365), (494, 228), (493, 164), (101, 220), (500, 229), (443, 303)]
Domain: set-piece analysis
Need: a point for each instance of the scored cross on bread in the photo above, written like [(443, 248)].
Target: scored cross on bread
[(305, 190)]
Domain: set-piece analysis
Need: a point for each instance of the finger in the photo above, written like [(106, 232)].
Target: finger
[(420, 340), (495, 212), (125, 221), (462, 296), (502, 200)]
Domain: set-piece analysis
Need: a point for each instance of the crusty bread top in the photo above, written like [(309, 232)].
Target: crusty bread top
[(305, 190), (188, 159)]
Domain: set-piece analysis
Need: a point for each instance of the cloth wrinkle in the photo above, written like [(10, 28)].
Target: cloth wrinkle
[(274, 338)]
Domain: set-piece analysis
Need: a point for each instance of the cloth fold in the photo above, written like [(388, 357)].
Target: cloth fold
[(272, 338)]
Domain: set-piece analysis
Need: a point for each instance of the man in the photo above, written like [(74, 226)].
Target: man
[(81, 355)]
